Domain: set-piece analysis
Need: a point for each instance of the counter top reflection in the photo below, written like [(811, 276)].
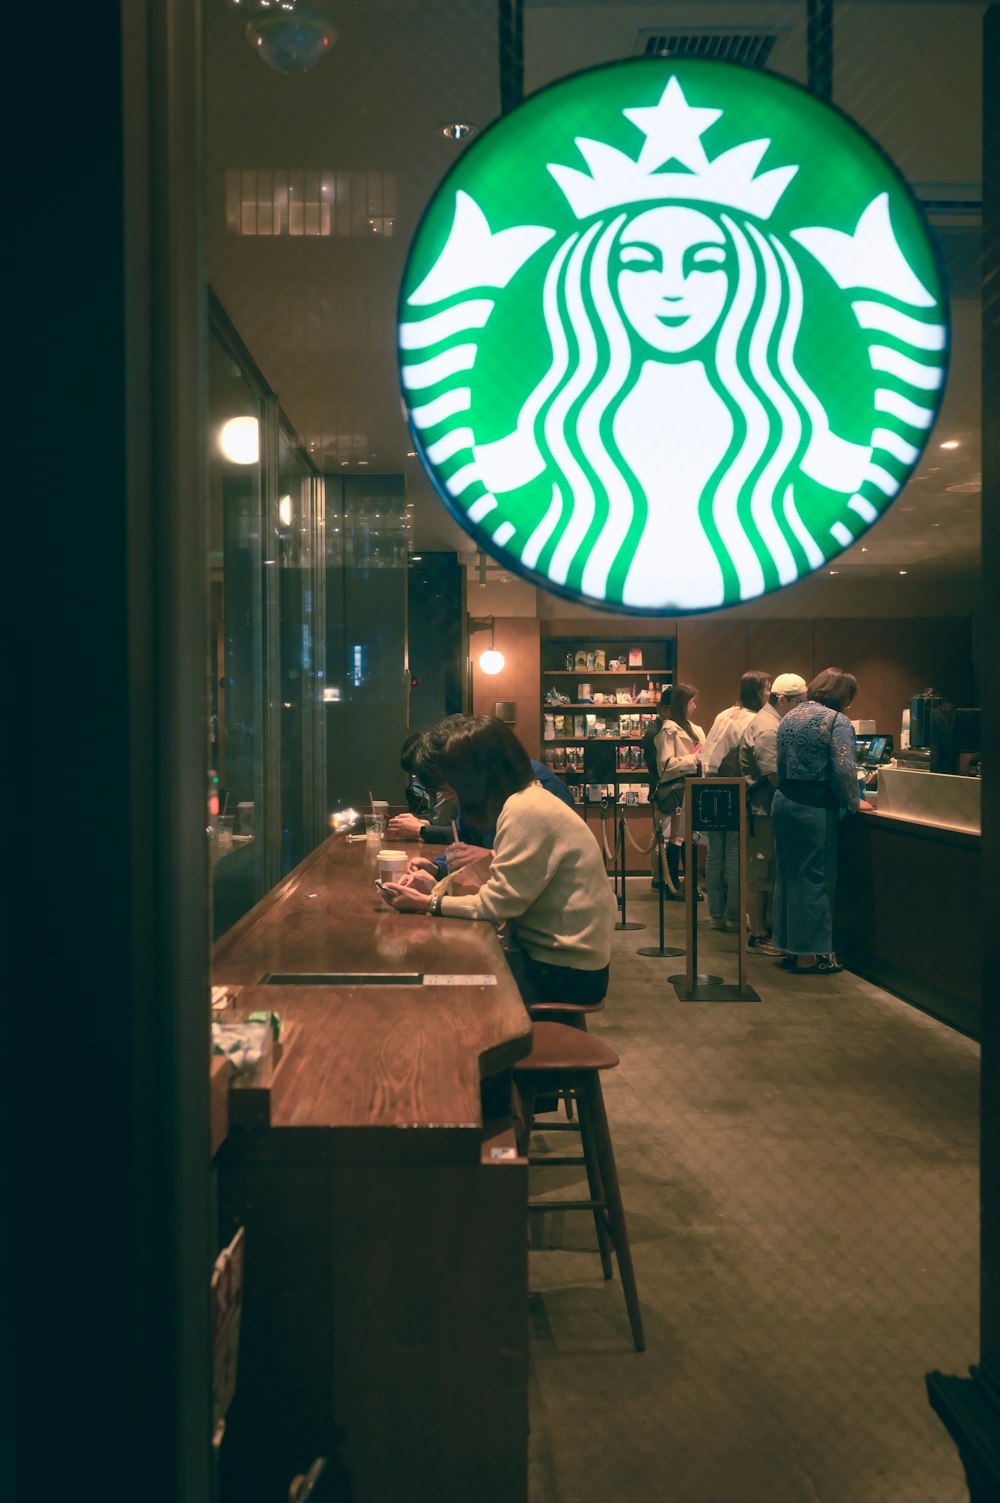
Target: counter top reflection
[(377, 1055)]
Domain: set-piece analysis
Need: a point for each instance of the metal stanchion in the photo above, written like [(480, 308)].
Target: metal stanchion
[(712, 804), (663, 950), (623, 921), (691, 978)]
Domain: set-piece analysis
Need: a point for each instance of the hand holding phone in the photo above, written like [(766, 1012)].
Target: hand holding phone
[(383, 893)]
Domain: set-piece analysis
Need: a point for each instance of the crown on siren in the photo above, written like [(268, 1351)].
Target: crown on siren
[(673, 131)]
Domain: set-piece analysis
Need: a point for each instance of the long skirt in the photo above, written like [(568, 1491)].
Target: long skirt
[(805, 845)]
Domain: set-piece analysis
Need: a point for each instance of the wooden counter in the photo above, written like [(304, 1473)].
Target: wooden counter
[(908, 913), (385, 1315)]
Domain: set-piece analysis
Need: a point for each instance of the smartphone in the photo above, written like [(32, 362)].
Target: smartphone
[(383, 894)]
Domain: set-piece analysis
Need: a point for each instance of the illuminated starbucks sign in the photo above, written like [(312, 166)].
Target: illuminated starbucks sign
[(671, 335)]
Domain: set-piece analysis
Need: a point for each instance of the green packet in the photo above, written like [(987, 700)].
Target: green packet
[(273, 1018)]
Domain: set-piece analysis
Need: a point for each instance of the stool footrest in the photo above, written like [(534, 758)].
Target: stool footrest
[(553, 1160), (567, 1205)]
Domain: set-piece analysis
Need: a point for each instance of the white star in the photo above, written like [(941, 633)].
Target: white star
[(673, 130)]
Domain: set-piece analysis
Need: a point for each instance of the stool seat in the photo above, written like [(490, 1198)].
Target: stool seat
[(556, 1047)]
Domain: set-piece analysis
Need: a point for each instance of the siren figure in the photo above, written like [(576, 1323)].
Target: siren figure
[(670, 452)]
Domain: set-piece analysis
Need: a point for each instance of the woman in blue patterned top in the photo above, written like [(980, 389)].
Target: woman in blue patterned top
[(817, 781)]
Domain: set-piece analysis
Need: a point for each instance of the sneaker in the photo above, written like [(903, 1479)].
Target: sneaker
[(759, 944), (826, 965)]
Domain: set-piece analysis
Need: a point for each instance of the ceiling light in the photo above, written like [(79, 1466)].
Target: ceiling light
[(834, 571), (289, 40), (902, 571), (285, 511), (459, 130), (951, 443), (239, 440)]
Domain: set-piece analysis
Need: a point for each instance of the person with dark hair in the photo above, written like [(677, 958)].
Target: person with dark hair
[(547, 881), (721, 759), (421, 751), (431, 808), (758, 763), (649, 757), (817, 782), (679, 743)]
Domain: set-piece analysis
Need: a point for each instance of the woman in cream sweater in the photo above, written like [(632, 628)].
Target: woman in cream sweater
[(547, 881), (678, 748)]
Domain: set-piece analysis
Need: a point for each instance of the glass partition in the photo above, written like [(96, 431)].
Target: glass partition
[(266, 806)]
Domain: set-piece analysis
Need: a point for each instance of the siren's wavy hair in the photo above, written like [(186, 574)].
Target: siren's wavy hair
[(593, 368)]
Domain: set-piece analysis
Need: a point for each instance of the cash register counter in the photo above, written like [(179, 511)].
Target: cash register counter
[(384, 1322), (908, 913)]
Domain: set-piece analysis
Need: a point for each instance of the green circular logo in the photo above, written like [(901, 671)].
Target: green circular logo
[(671, 335)]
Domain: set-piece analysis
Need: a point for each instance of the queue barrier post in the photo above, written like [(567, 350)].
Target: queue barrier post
[(623, 922), (712, 804)]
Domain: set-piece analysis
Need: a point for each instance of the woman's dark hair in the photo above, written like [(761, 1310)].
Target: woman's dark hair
[(484, 762), (753, 689), (681, 696), (833, 688), (408, 752)]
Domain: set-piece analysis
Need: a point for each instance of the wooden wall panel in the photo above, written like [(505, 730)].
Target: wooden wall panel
[(517, 638), (894, 659), (781, 647), (710, 655)]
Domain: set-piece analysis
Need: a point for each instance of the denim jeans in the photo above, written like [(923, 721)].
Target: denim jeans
[(722, 875)]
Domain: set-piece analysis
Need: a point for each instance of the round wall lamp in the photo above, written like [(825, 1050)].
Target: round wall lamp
[(490, 661), (239, 440)]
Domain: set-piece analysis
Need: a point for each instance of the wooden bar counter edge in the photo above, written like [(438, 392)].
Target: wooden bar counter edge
[(385, 1317)]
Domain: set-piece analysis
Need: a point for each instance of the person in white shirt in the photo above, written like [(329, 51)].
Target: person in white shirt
[(720, 759), (758, 759), (547, 882), (678, 743)]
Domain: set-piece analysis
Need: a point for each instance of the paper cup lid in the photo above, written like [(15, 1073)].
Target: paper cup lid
[(384, 855)]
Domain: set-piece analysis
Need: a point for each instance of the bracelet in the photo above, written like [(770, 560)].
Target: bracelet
[(434, 906)]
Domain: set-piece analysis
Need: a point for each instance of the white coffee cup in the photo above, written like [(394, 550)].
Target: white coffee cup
[(391, 865)]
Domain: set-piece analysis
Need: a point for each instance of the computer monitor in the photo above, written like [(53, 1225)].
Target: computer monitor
[(876, 750), (864, 744)]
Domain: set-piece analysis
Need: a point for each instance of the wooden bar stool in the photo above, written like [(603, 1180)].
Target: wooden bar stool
[(568, 1059), (573, 1014)]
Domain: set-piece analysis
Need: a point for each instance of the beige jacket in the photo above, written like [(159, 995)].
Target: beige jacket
[(676, 756)]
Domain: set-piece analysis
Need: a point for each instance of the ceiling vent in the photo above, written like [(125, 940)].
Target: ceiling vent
[(753, 48)]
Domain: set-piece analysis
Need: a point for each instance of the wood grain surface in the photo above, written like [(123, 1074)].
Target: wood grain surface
[(385, 1319), (374, 1056)]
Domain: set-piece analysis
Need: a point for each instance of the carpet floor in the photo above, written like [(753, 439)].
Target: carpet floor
[(800, 1183)]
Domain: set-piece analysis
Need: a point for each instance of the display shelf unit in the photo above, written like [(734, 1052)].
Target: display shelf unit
[(592, 755)]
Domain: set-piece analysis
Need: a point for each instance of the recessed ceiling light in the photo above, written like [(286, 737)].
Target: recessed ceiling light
[(834, 571), (951, 443), (459, 130), (411, 453), (902, 571), (864, 550)]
